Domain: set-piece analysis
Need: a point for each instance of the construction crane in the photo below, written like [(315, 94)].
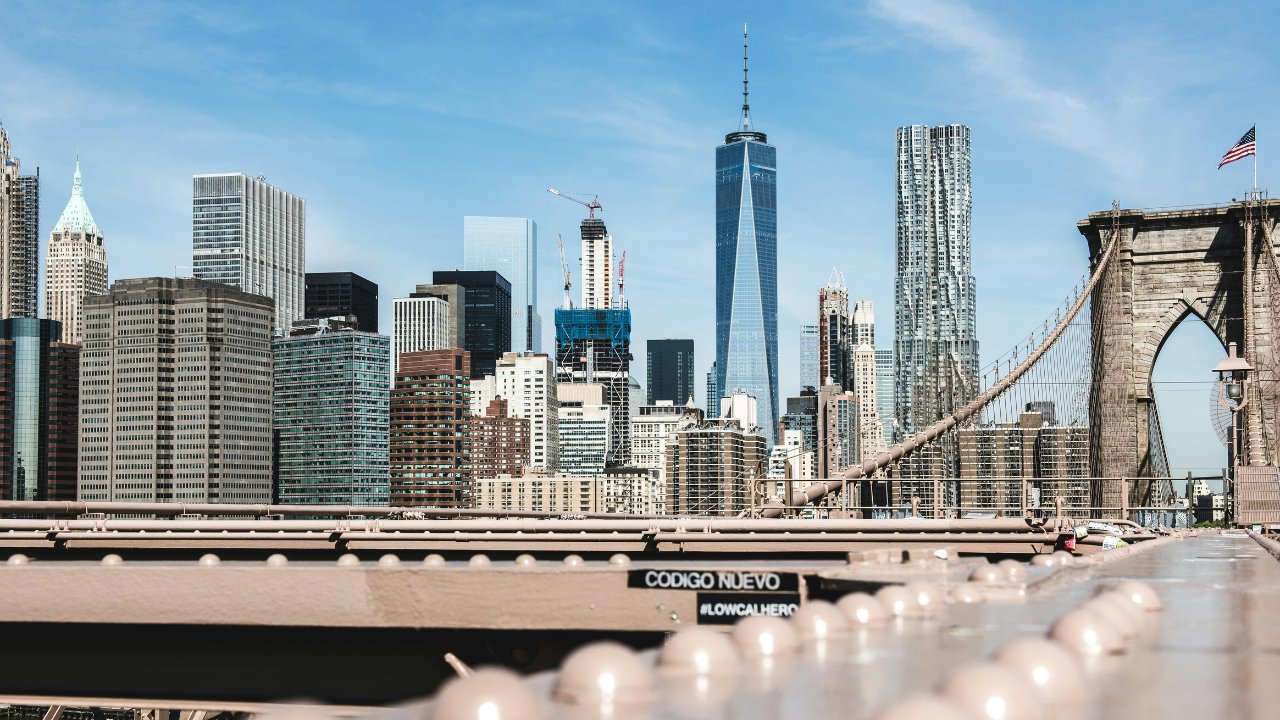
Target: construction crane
[(564, 268), (622, 283), (592, 206)]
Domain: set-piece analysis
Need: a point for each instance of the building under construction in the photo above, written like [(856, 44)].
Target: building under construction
[(595, 346)]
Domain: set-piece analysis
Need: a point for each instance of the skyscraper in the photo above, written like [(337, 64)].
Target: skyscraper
[(713, 394), (39, 416), (76, 267), (337, 294), (885, 394), (935, 341), (332, 405), (810, 348), (420, 323), (670, 371), (19, 236), (527, 382), (747, 265), (431, 442), (835, 331), (509, 246), (864, 323), (251, 235), (211, 343), (487, 301), (597, 265)]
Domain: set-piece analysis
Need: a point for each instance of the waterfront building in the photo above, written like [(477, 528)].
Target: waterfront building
[(837, 444), (421, 322), (526, 381), (710, 466), (251, 235), (669, 365), (835, 332), (885, 395), (39, 411), (935, 338), (487, 300), (175, 402), (19, 235), (338, 294), (584, 437), (810, 350), (499, 443), (431, 430), (332, 414), (652, 426), (747, 266), (456, 296), (509, 246), (594, 346), (76, 266)]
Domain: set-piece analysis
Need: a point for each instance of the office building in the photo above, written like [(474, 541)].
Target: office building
[(635, 394), (76, 266), (431, 430), (594, 346), (251, 235), (39, 411), (713, 393), (338, 294), (535, 490), (631, 491), (1007, 452), (670, 371), (509, 246), (597, 265), (175, 402), (935, 340), (803, 462), (885, 395), (810, 350), (332, 413), (799, 430), (747, 267), (741, 407), (487, 301), (711, 465), (837, 431), (870, 431), (421, 322), (863, 324), (652, 426), (19, 235), (456, 296), (584, 438), (835, 332), (499, 443), (526, 382)]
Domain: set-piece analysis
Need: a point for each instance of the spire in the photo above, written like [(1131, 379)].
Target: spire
[(76, 216), (746, 106), (77, 190)]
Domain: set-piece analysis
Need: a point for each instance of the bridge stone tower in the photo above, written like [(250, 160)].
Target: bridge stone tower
[(1171, 265)]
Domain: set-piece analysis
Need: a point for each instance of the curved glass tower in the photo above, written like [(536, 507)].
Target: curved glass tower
[(747, 267)]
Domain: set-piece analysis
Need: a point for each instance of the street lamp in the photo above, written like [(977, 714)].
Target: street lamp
[(1233, 382)]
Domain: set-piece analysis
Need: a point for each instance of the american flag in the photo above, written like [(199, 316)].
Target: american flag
[(1241, 150)]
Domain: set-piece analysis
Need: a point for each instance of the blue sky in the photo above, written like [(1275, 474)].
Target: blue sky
[(394, 121)]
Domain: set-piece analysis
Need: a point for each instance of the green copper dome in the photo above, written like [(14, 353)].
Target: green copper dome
[(76, 217)]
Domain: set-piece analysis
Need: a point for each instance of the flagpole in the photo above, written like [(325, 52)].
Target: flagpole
[(1255, 156)]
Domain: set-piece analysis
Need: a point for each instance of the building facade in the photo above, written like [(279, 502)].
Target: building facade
[(176, 393), (420, 323), (669, 366), (711, 465), (597, 265), (537, 491), (584, 438), (331, 415), (251, 235), (456, 296), (526, 382), (594, 346), (870, 431), (76, 266), (651, 428), (885, 395), (838, 414), (19, 235), (810, 350), (338, 294), (39, 411), (935, 338), (510, 247), (431, 430), (499, 443), (713, 393), (487, 298), (835, 332), (747, 269), (799, 431)]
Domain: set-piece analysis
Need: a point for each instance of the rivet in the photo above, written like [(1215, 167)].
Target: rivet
[(819, 620), (18, 559), (1085, 632), (967, 593), (993, 691), (209, 559), (899, 601), (1137, 616), (1054, 672), (277, 560), (1116, 617), (699, 666), (112, 559), (349, 560), (489, 693), (573, 560), (928, 596), (1043, 560), (1065, 559), (1014, 571), (526, 560), (433, 559), (620, 560), (479, 560), (862, 609), (389, 560), (987, 574), (604, 679), (1141, 594), (761, 636)]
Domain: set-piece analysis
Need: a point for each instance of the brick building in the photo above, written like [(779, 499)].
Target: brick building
[(499, 444), (431, 430)]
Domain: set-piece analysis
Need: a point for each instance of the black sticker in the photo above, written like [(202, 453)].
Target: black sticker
[(733, 580), (729, 608)]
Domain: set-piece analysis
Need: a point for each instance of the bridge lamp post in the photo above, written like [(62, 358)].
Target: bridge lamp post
[(1236, 388)]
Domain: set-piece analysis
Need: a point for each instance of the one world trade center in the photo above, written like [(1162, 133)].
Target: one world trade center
[(747, 266)]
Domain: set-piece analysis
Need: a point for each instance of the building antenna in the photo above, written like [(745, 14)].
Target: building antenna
[(746, 106)]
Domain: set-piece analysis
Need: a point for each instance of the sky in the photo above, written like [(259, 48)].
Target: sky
[(394, 121)]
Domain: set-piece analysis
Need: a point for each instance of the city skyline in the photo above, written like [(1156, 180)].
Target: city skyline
[(1063, 129)]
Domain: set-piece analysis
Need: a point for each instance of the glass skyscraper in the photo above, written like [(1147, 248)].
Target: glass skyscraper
[(884, 393), (509, 246), (39, 398), (747, 267)]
